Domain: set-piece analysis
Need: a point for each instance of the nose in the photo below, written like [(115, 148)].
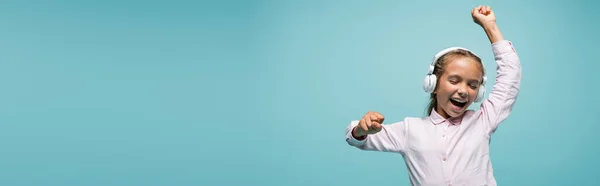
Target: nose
[(462, 92)]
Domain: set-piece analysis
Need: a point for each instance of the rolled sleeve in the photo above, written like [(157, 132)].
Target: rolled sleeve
[(502, 47)]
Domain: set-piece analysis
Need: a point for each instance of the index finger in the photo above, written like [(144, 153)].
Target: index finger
[(380, 117)]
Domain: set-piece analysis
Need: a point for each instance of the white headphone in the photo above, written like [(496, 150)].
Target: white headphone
[(431, 79)]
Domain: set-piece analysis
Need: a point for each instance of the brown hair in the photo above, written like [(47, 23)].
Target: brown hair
[(440, 67)]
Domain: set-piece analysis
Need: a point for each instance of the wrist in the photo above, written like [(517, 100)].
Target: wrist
[(358, 135), (490, 26)]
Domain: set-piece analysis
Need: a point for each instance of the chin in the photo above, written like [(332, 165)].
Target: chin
[(455, 114)]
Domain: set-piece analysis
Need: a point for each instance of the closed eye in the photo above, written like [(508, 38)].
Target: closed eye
[(454, 79), (474, 84)]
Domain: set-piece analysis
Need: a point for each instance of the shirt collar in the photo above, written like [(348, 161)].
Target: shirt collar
[(437, 119)]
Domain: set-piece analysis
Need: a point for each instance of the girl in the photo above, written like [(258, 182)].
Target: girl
[(450, 146)]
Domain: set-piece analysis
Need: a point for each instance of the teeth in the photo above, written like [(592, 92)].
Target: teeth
[(460, 101)]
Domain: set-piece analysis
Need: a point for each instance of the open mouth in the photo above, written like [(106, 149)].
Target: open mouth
[(458, 103)]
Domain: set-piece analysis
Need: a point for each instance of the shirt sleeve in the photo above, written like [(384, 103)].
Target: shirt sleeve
[(391, 138), (499, 104)]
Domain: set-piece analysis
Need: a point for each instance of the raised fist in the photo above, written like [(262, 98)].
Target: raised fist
[(483, 16)]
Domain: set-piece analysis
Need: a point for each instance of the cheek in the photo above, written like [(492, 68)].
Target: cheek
[(473, 94), (446, 87)]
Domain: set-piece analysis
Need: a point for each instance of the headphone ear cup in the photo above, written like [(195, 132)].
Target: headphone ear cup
[(429, 83), (480, 94)]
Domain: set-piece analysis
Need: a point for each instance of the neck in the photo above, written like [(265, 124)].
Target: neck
[(442, 113)]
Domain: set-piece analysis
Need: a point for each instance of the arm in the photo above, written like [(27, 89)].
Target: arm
[(389, 139), (485, 17), (493, 33), (508, 80)]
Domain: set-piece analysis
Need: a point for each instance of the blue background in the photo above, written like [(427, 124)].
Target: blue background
[(260, 92)]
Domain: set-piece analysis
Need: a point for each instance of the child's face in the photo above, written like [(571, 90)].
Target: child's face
[(458, 87)]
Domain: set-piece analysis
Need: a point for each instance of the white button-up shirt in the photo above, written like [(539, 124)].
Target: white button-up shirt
[(453, 151)]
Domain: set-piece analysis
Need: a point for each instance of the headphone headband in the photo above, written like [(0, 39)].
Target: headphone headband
[(442, 53)]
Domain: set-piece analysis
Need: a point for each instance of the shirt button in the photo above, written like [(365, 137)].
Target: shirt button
[(443, 135), (443, 158)]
